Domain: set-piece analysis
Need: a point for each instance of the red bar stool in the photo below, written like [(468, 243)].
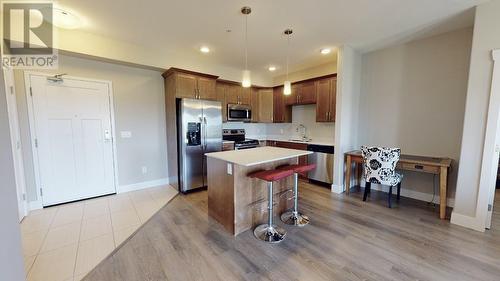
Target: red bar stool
[(269, 232), (294, 217)]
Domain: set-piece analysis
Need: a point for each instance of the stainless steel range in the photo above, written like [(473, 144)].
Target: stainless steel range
[(238, 136)]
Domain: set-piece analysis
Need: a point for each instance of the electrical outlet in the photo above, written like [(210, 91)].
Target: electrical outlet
[(126, 134), (229, 169), (144, 170), (281, 131)]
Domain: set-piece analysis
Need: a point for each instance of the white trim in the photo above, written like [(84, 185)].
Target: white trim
[(142, 185), (31, 117), (466, 221), (338, 189), (15, 136), (421, 196), (35, 205), (488, 164)]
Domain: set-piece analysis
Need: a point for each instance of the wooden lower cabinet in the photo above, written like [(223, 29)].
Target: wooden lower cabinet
[(294, 145)]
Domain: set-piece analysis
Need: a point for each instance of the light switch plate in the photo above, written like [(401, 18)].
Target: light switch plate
[(126, 134), (229, 169)]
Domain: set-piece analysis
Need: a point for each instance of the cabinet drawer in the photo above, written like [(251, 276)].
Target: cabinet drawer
[(419, 168)]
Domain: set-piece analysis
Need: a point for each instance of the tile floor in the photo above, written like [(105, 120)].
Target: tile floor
[(67, 241)]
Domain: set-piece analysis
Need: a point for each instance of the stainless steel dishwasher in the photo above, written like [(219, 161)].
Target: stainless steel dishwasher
[(323, 158)]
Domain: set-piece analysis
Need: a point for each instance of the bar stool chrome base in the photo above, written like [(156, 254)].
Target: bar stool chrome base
[(294, 218), (273, 234)]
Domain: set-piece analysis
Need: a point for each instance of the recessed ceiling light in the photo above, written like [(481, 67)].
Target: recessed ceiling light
[(272, 68), (65, 19), (325, 51), (205, 49)]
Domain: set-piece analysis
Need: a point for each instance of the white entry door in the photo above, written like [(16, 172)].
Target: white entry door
[(73, 138)]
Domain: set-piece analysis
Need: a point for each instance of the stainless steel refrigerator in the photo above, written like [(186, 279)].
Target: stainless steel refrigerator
[(199, 130)]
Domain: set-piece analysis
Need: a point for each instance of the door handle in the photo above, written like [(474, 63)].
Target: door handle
[(205, 131)]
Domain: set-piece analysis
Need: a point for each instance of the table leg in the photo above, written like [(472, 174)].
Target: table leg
[(443, 178), (348, 174), (359, 169)]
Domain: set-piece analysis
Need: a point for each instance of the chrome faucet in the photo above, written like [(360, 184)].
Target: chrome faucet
[(304, 131)]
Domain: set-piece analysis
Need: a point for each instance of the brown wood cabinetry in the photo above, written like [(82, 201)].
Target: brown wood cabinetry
[(302, 93), (265, 97), (294, 145), (220, 90), (326, 95), (255, 104), (235, 94), (192, 85), (281, 112)]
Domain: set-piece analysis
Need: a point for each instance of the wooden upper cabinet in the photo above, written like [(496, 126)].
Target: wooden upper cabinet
[(307, 93), (265, 105), (232, 93), (254, 102), (281, 112), (325, 100), (245, 96), (220, 90), (206, 88), (292, 99), (189, 84), (185, 86)]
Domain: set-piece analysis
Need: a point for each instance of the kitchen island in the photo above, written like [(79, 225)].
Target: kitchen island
[(238, 202)]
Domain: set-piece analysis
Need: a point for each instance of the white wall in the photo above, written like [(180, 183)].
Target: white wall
[(346, 116), (139, 107), (486, 38), (11, 261), (413, 97)]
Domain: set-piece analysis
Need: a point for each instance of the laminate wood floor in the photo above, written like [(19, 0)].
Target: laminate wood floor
[(347, 239)]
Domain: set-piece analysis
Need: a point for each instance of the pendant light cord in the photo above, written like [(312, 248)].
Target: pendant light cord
[(246, 42), (287, 54)]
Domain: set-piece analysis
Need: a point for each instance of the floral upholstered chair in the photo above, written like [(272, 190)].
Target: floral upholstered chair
[(380, 168)]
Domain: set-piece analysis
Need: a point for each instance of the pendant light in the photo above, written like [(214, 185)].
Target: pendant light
[(246, 81), (287, 89)]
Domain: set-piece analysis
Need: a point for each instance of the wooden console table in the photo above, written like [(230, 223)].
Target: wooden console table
[(431, 165)]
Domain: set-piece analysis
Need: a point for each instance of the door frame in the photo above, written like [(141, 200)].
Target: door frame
[(491, 149), (15, 143), (38, 204)]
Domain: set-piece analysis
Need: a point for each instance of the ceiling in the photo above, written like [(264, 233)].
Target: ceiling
[(181, 27)]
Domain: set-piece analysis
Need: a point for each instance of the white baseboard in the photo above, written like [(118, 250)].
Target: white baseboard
[(467, 221), (141, 185), (338, 189), (35, 205), (422, 196)]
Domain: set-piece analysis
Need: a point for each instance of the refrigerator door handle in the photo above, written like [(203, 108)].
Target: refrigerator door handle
[(205, 131)]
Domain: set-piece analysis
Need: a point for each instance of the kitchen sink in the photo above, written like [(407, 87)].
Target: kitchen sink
[(301, 140)]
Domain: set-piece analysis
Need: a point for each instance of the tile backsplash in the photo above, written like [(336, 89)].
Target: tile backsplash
[(302, 114)]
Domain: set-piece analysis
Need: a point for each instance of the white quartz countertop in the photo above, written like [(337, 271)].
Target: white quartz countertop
[(258, 155), (319, 141)]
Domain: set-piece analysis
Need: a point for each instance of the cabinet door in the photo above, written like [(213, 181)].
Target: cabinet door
[(323, 100), (185, 86), (265, 105), (206, 88), (307, 93), (220, 89), (254, 97), (278, 104), (232, 93), (333, 99), (293, 98), (245, 96)]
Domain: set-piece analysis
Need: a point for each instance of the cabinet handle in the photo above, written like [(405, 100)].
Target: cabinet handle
[(326, 115)]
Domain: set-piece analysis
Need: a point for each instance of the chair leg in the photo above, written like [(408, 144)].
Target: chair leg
[(399, 191), (389, 198), (367, 190)]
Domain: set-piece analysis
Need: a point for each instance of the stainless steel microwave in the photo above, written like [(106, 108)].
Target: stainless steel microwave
[(239, 112)]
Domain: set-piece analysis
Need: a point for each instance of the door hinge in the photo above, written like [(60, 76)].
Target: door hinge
[(490, 207), (36, 143), (31, 91), (41, 192), (24, 196), (11, 90)]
